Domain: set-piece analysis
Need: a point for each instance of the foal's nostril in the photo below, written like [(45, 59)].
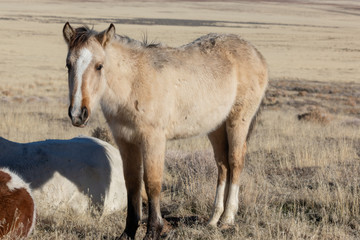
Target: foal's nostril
[(78, 120), (84, 114), (69, 112)]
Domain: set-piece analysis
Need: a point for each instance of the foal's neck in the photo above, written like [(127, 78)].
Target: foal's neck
[(121, 68)]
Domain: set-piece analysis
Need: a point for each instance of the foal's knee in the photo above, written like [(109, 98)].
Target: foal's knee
[(153, 188)]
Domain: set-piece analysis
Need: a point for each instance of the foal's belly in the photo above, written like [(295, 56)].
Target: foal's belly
[(200, 115), (190, 125)]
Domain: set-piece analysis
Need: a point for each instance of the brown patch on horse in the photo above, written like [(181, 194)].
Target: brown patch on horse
[(85, 94), (4, 178), (16, 209)]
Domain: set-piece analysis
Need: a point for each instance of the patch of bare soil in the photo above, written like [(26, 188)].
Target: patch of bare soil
[(315, 100)]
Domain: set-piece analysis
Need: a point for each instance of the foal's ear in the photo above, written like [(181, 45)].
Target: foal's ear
[(68, 33), (107, 35)]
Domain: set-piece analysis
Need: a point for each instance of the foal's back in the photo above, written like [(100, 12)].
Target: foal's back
[(205, 78)]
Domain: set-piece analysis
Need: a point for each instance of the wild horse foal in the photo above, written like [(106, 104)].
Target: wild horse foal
[(151, 93)]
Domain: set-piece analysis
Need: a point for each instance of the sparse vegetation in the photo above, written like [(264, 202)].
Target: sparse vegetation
[(300, 182), (301, 178)]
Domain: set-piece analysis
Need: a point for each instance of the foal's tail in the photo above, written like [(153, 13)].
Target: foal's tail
[(254, 121), (265, 79)]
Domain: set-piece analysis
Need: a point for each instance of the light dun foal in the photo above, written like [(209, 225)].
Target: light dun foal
[(151, 93)]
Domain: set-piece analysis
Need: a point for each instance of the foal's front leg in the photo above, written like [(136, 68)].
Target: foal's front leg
[(132, 165), (153, 152)]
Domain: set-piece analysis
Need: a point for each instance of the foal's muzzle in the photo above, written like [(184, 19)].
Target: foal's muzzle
[(82, 119)]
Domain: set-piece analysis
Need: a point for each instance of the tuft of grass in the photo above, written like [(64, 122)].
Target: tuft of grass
[(103, 133), (315, 115)]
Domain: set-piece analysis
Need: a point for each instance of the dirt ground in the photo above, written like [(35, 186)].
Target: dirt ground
[(313, 52)]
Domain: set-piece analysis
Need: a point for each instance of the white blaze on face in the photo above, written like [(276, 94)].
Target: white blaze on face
[(81, 65)]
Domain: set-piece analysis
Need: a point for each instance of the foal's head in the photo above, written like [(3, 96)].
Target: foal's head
[(85, 63)]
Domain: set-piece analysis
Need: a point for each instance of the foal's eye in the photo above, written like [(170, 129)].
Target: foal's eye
[(99, 67)]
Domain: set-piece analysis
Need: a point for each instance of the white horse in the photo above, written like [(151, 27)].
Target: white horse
[(68, 173), (17, 207)]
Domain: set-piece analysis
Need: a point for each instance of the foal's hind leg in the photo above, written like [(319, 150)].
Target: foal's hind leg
[(237, 127), (219, 142)]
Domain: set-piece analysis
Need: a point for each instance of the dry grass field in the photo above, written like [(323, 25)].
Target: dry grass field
[(302, 174)]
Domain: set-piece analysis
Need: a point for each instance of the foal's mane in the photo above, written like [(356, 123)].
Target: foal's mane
[(84, 33)]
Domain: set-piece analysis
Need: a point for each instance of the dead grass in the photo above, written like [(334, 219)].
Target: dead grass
[(297, 184), (301, 178), (39, 120)]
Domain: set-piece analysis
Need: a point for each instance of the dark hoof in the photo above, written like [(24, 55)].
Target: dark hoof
[(152, 235), (154, 232), (227, 228), (124, 236)]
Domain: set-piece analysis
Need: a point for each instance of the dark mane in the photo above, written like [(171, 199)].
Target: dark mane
[(146, 44), (82, 34), (135, 43)]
